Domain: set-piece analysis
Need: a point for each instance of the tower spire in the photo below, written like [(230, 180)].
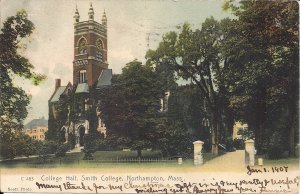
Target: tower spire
[(91, 12), (76, 16), (104, 19)]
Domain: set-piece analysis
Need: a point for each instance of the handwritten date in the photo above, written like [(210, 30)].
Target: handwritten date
[(273, 169)]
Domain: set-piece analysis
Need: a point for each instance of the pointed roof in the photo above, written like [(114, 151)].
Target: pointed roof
[(82, 88), (76, 12), (76, 16), (104, 15), (105, 78), (91, 10), (58, 92), (41, 122)]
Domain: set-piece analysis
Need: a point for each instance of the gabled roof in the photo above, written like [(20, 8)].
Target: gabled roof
[(41, 122), (105, 78), (82, 88), (60, 90)]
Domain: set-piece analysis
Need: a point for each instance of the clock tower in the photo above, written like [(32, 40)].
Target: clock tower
[(90, 48), (90, 73)]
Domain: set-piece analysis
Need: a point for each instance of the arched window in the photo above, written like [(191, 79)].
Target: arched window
[(99, 50), (82, 46)]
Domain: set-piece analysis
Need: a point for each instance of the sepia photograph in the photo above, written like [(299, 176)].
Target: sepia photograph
[(149, 96)]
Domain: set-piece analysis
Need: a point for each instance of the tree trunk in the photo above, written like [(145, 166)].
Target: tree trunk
[(293, 116), (139, 154), (215, 135), (214, 146), (230, 123), (261, 111), (292, 146)]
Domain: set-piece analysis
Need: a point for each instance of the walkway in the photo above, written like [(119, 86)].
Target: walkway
[(231, 161), (19, 157), (75, 150)]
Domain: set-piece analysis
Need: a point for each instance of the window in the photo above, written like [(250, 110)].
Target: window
[(99, 44), (82, 46), (99, 55), (99, 49), (82, 76)]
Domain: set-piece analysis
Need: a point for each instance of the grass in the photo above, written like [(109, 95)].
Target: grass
[(279, 162), (75, 160)]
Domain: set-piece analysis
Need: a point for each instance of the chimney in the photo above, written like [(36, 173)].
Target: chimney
[(57, 84)]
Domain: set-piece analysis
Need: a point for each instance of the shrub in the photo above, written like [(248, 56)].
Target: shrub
[(297, 150), (239, 144), (43, 153), (47, 148), (61, 150), (18, 145), (51, 147), (7, 150), (175, 141), (246, 134), (229, 144), (275, 149), (71, 141), (89, 146), (102, 145)]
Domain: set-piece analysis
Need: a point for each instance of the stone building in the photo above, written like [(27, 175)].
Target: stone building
[(37, 133), (90, 72), (238, 129), (36, 128)]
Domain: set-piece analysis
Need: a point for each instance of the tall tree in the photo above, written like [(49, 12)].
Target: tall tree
[(93, 135), (195, 55), (130, 107), (13, 100), (265, 48)]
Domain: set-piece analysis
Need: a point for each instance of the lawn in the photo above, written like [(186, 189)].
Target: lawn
[(279, 162), (105, 159)]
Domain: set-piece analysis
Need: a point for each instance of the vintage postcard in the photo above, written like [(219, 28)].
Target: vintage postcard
[(149, 96)]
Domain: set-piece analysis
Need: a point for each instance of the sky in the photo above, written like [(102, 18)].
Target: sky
[(134, 26)]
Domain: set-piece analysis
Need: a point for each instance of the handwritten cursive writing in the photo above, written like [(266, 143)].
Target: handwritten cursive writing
[(273, 169), (48, 186)]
